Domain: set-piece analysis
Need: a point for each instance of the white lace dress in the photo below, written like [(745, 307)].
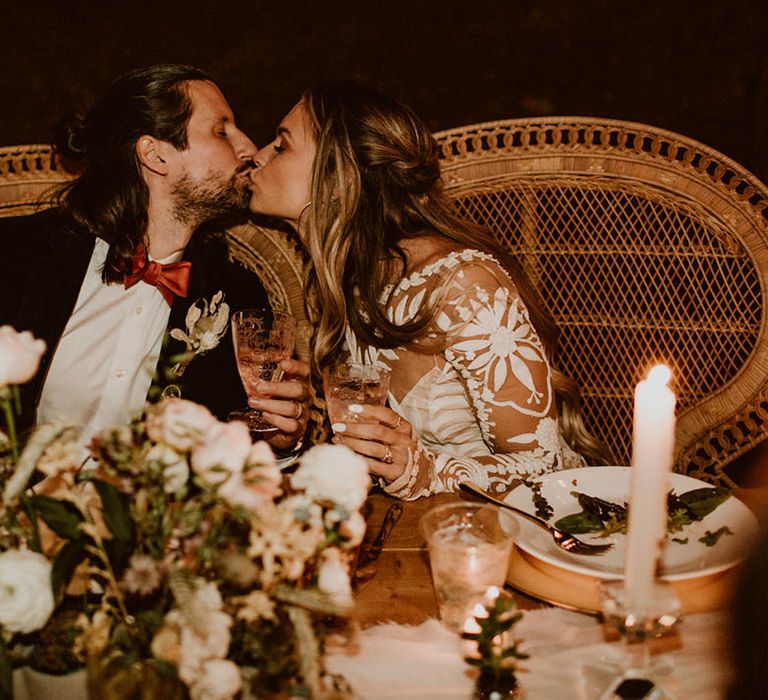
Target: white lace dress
[(483, 407)]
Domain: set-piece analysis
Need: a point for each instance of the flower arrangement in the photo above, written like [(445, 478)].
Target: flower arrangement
[(176, 554)]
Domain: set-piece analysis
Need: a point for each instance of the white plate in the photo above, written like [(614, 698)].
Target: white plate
[(679, 561)]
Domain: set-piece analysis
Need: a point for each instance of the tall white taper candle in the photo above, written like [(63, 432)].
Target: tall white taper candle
[(653, 445)]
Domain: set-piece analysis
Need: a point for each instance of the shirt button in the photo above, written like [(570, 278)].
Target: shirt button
[(120, 373), (138, 310)]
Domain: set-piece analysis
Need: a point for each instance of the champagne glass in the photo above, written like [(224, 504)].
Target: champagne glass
[(347, 384), (262, 340), (634, 673)]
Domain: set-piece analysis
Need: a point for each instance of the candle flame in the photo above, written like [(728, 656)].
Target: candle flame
[(660, 375)]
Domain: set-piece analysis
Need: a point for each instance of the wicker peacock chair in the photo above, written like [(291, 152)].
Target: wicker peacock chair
[(646, 246)]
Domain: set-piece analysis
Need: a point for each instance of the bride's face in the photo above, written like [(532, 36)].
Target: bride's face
[(280, 185)]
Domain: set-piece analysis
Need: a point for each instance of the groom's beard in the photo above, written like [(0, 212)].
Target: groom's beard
[(196, 203)]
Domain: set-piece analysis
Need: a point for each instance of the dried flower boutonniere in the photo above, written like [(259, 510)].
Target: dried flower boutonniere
[(206, 325)]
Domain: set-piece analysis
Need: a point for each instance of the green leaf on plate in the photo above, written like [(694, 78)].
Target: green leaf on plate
[(711, 538), (579, 523), (701, 502)]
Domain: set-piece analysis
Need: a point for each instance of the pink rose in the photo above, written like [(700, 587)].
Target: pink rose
[(222, 453), (20, 355), (253, 491), (179, 424)]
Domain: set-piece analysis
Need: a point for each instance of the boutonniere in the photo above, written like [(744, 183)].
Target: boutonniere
[(206, 325)]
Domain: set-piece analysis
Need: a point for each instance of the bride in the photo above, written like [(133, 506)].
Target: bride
[(397, 279)]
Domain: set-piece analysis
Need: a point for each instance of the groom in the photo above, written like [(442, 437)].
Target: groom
[(106, 276)]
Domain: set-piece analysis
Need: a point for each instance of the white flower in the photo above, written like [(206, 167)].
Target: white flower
[(333, 473), (26, 597), (20, 355), (178, 423), (175, 467), (222, 453), (221, 680), (198, 646), (333, 579)]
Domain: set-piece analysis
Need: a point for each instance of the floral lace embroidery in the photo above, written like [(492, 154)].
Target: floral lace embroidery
[(500, 366)]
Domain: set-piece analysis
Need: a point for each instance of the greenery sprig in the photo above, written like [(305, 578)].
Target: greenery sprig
[(496, 660)]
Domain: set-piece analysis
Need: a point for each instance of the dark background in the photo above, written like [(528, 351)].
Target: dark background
[(696, 67)]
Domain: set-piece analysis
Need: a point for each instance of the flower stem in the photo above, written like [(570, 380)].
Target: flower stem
[(8, 400)]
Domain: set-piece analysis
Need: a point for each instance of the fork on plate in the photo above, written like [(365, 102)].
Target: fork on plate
[(565, 541)]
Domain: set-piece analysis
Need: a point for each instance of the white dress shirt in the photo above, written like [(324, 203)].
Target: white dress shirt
[(103, 365)]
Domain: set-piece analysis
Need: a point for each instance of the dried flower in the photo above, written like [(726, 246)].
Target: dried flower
[(257, 605), (143, 575), (206, 325)]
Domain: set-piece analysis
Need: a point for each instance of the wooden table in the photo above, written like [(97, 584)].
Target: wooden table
[(401, 589)]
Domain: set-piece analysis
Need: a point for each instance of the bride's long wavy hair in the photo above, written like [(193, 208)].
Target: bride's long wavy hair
[(375, 182)]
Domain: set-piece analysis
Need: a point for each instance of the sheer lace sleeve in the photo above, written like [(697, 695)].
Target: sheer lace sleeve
[(494, 350)]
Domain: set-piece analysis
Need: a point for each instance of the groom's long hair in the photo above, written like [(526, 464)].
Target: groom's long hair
[(109, 197)]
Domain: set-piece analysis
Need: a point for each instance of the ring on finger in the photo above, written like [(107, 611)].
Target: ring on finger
[(299, 411), (387, 458), (398, 422)]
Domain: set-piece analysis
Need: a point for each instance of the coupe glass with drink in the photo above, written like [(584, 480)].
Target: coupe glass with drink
[(262, 340), (349, 384)]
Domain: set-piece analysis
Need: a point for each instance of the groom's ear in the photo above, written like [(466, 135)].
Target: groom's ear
[(152, 154)]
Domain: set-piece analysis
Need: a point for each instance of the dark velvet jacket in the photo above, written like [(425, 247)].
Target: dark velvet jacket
[(43, 259)]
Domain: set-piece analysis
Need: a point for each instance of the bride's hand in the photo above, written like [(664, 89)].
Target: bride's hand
[(383, 437)]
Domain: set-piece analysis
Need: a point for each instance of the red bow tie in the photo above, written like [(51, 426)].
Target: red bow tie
[(171, 279)]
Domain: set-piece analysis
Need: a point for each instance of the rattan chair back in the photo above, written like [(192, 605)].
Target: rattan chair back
[(646, 247)]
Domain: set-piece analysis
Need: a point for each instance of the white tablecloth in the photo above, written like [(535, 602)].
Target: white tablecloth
[(395, 661)]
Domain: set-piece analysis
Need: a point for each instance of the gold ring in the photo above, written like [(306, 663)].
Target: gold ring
[(398, 422), (387, 458), (299, 412)]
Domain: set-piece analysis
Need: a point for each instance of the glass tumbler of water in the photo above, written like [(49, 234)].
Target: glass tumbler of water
[(469, 548)]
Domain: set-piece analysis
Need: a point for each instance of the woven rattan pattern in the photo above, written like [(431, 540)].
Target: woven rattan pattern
[(645, 247)]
